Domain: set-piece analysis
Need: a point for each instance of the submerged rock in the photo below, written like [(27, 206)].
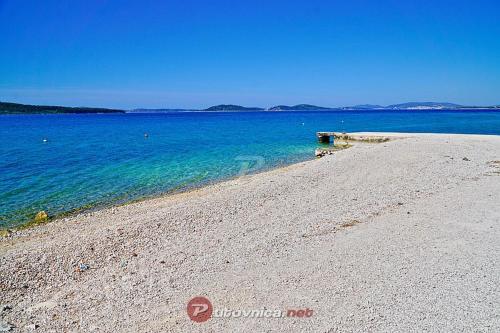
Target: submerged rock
[(41, 217)]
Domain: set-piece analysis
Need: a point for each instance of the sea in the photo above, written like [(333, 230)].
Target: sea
[(66, 163)]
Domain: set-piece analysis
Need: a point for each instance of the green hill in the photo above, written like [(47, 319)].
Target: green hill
[(299, 107), (231, 107), (14, 108)]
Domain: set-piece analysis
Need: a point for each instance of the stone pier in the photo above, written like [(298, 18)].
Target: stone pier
[(325, 137)]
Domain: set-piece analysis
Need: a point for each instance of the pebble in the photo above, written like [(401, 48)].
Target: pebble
[(31, 327), (83, 267), (5, 307), (5, 327), (328, 192)]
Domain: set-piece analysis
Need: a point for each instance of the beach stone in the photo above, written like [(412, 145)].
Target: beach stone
[(83, 267), (41, 217), (31, 327), (319, 153), (5, 327), (48, 305), (5, 307)]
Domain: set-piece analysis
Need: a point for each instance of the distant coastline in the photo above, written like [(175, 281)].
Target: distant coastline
[(416, 106), (16, 108)]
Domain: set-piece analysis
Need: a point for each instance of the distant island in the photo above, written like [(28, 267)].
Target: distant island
[(15, 108), (231, 107), (424, 105), (417, 106), (309, 107), (298, 107), (366, 107)]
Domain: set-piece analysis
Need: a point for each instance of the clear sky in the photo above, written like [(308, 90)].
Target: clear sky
[(190, 53)]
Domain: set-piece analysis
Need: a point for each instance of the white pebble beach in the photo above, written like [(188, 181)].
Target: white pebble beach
[(398, 236)]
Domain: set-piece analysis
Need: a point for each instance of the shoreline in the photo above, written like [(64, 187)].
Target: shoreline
[(380, 231), (74, 213)]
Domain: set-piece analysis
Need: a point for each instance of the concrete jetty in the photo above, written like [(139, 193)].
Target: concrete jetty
[(327, 137)]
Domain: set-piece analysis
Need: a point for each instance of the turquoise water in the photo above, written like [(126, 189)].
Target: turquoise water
[(98, 160)]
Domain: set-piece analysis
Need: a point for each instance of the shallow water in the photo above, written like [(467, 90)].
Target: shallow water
[(97, 160)]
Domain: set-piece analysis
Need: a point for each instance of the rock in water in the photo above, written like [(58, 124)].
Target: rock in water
[(41, 217)]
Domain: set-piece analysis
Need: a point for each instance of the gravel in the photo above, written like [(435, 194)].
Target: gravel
[(388, 237)]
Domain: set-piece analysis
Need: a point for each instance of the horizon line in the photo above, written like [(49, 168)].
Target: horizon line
[(362, 105)]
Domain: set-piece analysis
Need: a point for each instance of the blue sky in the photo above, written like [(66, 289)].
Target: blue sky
[(189, 53)]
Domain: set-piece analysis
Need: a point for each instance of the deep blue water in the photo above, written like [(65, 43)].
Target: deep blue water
[(95, 160)]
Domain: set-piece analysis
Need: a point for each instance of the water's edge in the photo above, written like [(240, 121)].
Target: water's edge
[(195, 186), (77, 163)]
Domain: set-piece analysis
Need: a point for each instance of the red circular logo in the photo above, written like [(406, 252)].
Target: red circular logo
[(199, 309)]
